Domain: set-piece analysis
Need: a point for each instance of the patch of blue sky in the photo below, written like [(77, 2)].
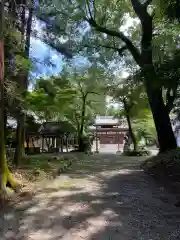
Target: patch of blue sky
[(46, 61)]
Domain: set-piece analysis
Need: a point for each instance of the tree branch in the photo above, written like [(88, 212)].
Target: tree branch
[(81, 90), (147, 29), (141, 9), (89, 9), (94, 6), (130, 46), (91, 92), (146, 4), (119, 50), (137, 6)]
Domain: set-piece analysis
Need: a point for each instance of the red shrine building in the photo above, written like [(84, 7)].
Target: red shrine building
[(109, 130)]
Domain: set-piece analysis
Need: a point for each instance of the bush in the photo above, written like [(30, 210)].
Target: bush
[(141, 151)]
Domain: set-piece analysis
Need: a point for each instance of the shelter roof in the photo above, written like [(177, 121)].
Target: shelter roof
[(56, 128)]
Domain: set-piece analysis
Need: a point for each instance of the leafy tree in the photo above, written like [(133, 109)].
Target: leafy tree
[(95, 26), (133, 102), (48, 100), (134, 107), (73, 96)]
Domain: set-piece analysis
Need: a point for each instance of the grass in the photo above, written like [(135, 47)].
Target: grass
[(42, 166), (41, 161)]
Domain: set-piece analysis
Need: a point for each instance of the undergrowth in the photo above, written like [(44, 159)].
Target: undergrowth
[(165, 165)]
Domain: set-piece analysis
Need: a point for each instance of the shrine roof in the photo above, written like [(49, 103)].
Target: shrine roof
[(109, 121), (106, 120)]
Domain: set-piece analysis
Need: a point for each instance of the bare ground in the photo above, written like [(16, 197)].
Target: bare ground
[(105, 197)]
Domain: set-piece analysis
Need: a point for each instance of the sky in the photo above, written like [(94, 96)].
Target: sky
[(41, 52)]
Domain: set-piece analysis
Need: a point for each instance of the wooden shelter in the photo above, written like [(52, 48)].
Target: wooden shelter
[(54, 136)]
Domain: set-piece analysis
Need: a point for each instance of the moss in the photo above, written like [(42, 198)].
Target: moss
[(8, 182)]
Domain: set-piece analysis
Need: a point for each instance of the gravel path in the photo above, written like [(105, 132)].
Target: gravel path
[(106, 197)]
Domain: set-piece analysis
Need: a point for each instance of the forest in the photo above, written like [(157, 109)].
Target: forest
[(117, 58)]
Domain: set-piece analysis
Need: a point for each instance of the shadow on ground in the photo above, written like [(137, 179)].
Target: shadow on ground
[(107, 197)]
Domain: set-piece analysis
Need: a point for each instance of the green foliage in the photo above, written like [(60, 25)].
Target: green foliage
[(45, 165), (49, 98), (138, 152), (83, 23), (17, 64), (144, 127), (63, 96), (170, 9), (137, 109), (134, 95), (72, 32)]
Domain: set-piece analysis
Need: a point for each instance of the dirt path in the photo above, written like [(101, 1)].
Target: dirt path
[(107, 197)]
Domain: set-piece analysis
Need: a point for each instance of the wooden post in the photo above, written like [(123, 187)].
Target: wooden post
[(61, 144), (27, 143), (118, 142), (43, 143), (55, 142), (66, 142), (96, 141), (48, 142)]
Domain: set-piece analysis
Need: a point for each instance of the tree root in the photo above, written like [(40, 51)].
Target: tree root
[(4, 194), (10, 182), (7, 184)]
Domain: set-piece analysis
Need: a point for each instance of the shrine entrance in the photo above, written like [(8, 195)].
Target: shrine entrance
[(109, 134)]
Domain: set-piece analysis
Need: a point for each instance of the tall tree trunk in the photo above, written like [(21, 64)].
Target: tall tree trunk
[(80, 135), (161, 118), (131, 133), (20, 140), (160, 113), (5, 175), (20, 151), (2, 146)]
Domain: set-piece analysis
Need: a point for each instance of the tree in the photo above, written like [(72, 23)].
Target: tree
[(2, 147), (73, 95), (103, 18), (5, 175), (133, 101), (22, 78), (50, 98)]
